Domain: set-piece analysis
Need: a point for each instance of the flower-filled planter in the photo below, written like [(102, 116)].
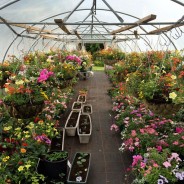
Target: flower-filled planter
[(24, 111), (57, 143), (54, 165), (84, 128), (87, 109), (77, 106), (24, 99), (72, 123), (80, 168), (81, 98)]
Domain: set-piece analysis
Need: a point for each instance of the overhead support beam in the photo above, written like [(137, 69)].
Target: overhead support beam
[(119, 18), (67, 17), (179, 2), (165, 29), (99, 24), (46, 36), (25, 26), (17, 34), (60, 23), (76, 33), (141, 21)]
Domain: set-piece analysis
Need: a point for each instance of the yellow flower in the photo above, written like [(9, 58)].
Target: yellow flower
[(43, 93), (27, 136), (172, 95), (5, 159), (173, 77), (27, 166), (20, 168), (30, 126), (19, 82), (7, 128), (40, 122), (17, 129)]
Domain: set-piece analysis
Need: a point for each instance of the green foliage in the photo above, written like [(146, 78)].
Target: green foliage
[(94, 47), (98, 63), (56, 155)]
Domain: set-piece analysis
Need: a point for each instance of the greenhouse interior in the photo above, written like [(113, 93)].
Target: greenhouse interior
[(92, 91)]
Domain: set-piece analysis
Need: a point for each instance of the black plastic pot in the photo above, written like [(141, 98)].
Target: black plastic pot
[(53, 170)]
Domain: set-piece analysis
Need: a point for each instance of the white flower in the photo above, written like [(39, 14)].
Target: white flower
[(173, 77)]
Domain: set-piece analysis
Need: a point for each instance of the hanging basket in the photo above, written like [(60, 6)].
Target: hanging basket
[(24, 111), (163, 109), (110, 62)]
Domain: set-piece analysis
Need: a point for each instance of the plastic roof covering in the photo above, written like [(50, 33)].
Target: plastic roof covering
[(35, 11)]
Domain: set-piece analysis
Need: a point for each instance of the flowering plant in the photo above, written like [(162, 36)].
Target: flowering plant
[(157, 167), (73, 59), (21, 92)]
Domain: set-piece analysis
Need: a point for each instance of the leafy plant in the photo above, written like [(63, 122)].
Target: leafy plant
[(56, 155), (81, 159)]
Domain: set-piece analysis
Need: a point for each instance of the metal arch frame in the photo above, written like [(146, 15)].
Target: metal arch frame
[(8, 4), (100, 9)]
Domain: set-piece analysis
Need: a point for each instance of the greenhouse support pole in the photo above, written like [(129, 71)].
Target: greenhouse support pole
[(119, 18), (67, 17)]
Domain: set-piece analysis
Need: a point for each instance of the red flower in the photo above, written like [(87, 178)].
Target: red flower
[(36, 119), (24, 144), (20, 163)]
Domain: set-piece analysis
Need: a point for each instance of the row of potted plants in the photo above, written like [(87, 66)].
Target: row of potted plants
[(79, 119), (156, 141)]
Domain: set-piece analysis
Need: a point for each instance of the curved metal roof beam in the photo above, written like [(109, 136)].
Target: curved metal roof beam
[(8, 4), (178, 2)]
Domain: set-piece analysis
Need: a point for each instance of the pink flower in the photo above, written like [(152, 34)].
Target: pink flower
[(159, 148), (175, 143), (167, 164), (151, 113), (136, 144), (143, 164), (127, 118), (136, 158), (131, 148), (155, 165), (114, 127), (150, 130), (142, 130), (179, 130), (133, 133), (175, 155)]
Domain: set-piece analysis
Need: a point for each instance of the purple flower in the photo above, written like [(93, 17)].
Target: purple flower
[(179, 176)]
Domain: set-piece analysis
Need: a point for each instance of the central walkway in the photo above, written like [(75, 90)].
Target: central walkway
[(108, 164)]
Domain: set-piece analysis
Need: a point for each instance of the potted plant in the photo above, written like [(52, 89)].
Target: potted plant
[(57, 142), (80, 168), (77, 106), (84, 128), (81, 98), (72, 123), (24, 99), (87, 109), (53, 165)]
